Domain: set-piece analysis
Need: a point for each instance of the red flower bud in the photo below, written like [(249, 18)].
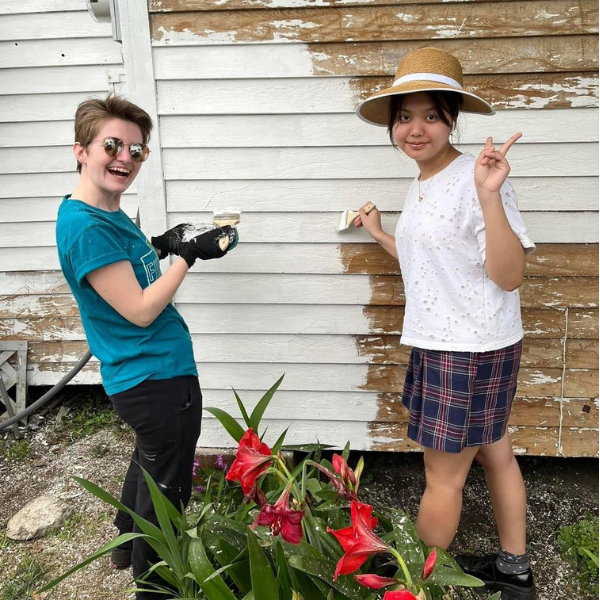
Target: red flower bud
[(429, 564), (375, 582)]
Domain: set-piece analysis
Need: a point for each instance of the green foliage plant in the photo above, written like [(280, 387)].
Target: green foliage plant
[(270, 530), (578, 544), (23, 581), (15, 451)]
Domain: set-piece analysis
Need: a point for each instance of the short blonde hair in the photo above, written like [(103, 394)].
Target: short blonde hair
[(92, 113)]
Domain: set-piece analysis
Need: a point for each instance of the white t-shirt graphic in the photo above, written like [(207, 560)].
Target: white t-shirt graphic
[(451, 302)]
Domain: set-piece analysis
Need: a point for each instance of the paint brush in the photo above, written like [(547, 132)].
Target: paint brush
[(348, 217), (226, 217)]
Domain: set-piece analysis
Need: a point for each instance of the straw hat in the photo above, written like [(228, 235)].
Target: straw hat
[(426, 69)]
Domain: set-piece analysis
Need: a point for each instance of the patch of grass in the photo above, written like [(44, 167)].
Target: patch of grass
[(578, 545), (4, 541), (21, 584), (15, 450), (89, 413), (78, 526)]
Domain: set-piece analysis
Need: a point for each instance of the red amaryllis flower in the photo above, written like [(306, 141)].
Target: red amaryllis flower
[(252, 459), (280, 518), (399, 595), (358, 541), (375, 582), (346, 473), (429, 564), (346, 536)]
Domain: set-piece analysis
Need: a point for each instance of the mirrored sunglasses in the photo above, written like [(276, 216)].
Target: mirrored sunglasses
[(113, 146)]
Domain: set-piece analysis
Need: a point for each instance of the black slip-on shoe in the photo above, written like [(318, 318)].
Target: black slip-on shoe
[(120, 558), (513, 587)]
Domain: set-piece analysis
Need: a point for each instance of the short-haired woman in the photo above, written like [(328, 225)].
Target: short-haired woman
[(140, 339)]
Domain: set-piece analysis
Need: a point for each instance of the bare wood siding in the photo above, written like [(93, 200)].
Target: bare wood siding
[(53, 57), (256, 103)]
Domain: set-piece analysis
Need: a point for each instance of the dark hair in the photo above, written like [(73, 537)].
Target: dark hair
[(446, 105), (92, 113)]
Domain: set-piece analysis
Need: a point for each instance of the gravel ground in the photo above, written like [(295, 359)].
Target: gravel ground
[(560, 492)]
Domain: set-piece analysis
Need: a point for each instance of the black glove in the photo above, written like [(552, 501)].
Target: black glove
[(170, 241), (206, 245)]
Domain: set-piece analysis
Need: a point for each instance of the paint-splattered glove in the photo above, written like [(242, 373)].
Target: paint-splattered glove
[(170, 241), (206, 246)]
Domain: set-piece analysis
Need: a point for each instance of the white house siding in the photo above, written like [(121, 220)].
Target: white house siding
[(256, 103), (53, 55)]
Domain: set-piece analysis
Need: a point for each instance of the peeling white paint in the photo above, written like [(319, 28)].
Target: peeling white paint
[(538, 378), (295, 24), (544, 15), (187, 36), (407, 17), (289, 3), (579, 88), (446, 31)]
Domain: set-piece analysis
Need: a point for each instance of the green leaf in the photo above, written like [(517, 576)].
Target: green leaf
[(215, 589), (263, 580), (154, 536), (233, 428), (593, 557), (346, 451), (308, 588), (233, 532), (227, 555), (260, 408), (496, 596), (242, 408), (277, 446), (324, 569), (445, 576), (408, 543), (162, 508), (283, 573), (100, 552)]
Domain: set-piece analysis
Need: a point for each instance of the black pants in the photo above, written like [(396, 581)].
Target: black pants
[(165, 415)]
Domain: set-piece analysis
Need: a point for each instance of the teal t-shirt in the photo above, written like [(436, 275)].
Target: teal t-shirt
[(89, 238)]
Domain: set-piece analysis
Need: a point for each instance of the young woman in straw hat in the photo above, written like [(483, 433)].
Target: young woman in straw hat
[(461, 243)]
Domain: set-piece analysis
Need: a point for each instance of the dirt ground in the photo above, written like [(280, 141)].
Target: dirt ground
[(560, 491)]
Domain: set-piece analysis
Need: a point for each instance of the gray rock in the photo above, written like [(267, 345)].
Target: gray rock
[(37, 518)]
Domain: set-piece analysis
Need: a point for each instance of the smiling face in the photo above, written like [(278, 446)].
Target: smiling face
[(420, 132), (104, 176)]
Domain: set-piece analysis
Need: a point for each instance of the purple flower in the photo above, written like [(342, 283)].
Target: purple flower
[(221, 463), (199, 489)]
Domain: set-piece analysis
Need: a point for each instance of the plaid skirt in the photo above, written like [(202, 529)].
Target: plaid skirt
[(460, 399)]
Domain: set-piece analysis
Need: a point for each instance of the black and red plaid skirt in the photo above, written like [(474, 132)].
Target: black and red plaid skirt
[(460, 399)]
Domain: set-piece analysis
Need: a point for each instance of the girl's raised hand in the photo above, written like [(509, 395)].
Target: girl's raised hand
[(371, 222), (491, 167)]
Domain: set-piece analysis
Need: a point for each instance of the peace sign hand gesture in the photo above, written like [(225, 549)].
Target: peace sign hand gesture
[(491, 167)]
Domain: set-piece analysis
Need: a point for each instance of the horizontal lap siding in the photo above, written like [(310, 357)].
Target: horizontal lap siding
[(256, 101), (53, 57)]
